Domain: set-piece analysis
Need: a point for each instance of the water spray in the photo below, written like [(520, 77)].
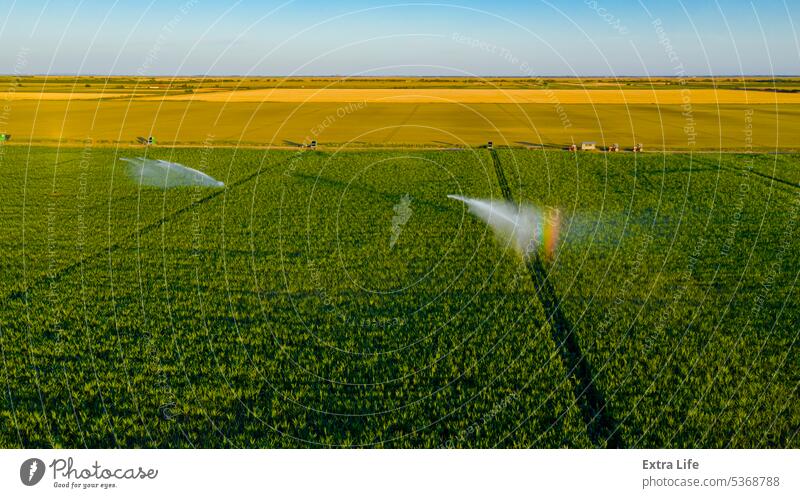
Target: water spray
[(527, 227), (164, 174)]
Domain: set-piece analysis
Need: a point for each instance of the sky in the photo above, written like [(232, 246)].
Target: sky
[(377, 38)]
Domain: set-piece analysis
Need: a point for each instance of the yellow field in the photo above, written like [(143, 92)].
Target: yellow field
[(10, 96), (469, 96), (403, 112), (433, 96), (199, 84), (400, 124)]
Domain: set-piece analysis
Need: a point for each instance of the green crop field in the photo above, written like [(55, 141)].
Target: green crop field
[(341, 299)]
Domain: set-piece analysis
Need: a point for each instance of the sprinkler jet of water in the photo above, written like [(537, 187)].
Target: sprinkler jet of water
[(526, 226), (165, 174)]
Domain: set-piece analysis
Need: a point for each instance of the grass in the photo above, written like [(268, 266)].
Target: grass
[(680, 286), (276, 312)]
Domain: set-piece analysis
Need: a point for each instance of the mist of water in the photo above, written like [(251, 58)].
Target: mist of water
[(164, 174), (525, 227)]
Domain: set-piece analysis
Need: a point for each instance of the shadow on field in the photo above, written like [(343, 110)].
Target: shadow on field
[(599, 426)]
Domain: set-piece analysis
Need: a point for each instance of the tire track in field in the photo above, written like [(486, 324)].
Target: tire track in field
[(525, 124), (397, 128), (61, 273), (602, 430), (763, 175), (736, 169), (501, 177)]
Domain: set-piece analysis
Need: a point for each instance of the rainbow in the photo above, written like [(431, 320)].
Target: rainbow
[(550, 228)]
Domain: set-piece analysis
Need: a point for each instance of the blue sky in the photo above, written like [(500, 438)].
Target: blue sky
[(349, 37)]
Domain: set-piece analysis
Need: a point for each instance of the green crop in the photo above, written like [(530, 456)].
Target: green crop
[(341, 299)]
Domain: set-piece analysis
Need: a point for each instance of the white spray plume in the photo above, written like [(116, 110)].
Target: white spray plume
[(523, 226), (164, 174)]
